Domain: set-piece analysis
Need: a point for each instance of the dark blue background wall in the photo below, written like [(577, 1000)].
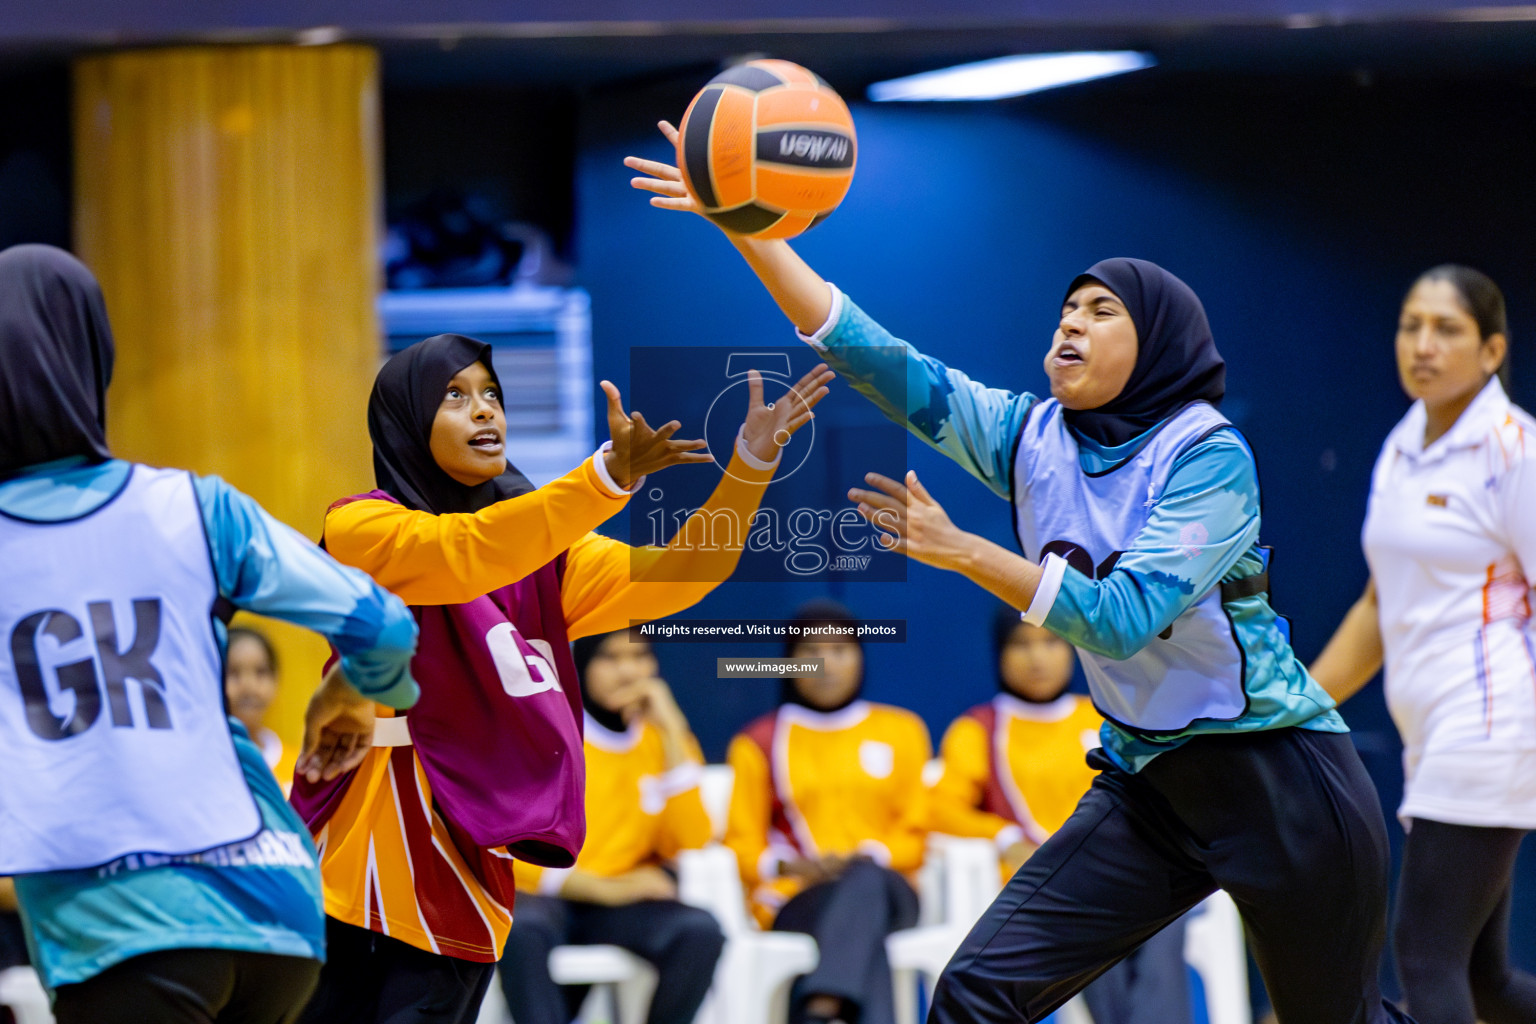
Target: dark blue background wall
[(1299, 216), (34, 156), (1300, 212)]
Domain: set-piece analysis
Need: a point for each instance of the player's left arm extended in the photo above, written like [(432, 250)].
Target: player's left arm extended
[(609, 583), (1201, 530), (973, 424)]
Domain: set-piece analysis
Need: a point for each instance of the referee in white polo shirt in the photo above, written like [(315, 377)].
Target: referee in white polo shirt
[(1450, 536)]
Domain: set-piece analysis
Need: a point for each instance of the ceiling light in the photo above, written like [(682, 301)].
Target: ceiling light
[(1010, 76)]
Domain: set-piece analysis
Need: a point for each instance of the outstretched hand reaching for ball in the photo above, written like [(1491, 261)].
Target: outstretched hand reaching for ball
[(799, 291), (664, 179), (638, 448), (768, 427)]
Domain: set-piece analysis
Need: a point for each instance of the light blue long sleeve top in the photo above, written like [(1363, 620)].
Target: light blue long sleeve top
[(1214, 483), (262, 895)]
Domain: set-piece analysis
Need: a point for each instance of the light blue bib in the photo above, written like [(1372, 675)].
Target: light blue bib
[(1195, 669)]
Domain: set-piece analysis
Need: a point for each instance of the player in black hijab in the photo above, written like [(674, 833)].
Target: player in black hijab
[(56, 357), (1176, 358), (405, 399), (1136, 506)]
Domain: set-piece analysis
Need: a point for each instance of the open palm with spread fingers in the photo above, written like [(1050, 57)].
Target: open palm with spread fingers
[(769, 426), (913, 522), (638, 448), (664, 179)]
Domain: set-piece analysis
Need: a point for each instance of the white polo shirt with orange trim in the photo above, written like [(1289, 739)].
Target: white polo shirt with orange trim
[(1450, 535)]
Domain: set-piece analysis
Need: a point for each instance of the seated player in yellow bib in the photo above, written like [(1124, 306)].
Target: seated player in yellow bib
[(643, 809), (827, 821), (1014, 770)]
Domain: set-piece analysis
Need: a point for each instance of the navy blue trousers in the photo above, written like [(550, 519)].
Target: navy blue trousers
[(1286, 821), (192, 986), (849, 917), (1150, 986), (681, 942)]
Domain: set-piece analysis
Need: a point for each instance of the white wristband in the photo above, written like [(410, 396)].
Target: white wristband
[(818, 339), (600, 464), (750, 459), (1051, 572)]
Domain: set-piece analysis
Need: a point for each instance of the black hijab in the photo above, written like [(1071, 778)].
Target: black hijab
[(405, 399), (583, 650), (1176, 358), (1004, 621), (55, 359), (819, 612)]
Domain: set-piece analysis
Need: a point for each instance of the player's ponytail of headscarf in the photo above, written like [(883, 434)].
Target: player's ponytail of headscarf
[(814, 613), (56, 358), (1176, 358), (406, 396)]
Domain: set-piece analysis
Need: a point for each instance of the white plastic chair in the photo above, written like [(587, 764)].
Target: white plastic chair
[(957, 883), (959, 880), (756, 968), (23, 994), (715, 791), (622, 985), (753, 978), (1213, 946)]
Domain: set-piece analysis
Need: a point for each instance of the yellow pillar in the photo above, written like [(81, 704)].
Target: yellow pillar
[(228, 200)]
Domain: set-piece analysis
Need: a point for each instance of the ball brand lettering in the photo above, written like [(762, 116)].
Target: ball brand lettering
[(75, 671), (801, 147), (813, 148)]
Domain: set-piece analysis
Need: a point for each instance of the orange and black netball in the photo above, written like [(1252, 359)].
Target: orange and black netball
[(767, 148)]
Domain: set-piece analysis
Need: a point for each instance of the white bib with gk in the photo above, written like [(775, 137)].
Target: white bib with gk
[(111, 686)]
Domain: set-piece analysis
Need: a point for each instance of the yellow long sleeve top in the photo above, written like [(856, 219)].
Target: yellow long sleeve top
[(810, 784), (388, 860), (1014, 770), (639, 811), (426, 559)]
